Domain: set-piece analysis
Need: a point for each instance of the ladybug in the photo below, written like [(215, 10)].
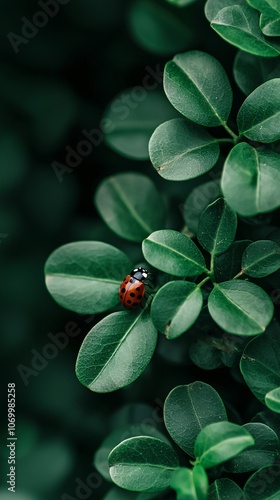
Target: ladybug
[(132, 289)]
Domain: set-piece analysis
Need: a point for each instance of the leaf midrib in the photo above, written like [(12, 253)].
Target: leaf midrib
[(81, 277), (186, 152), (221, 444), (237, 306), (178, 253), (260, 259), (137, 464)]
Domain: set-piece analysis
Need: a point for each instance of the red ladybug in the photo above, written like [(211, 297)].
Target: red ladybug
[(132, 289)]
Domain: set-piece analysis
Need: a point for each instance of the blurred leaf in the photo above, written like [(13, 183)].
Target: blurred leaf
[(176, 307), (188, 409), (240, 307), (205, 356), (213, 7), (251, 71), (217, 227), (158, 29), (269, 480), (85, 276), (174, 253), (239, 25), (199, 198), (219, 442), (177, 148), (261, 258), (181, 3), (116, 351), (193, 82), (190, 484), (272, 400), (260, 361), (224, 489), (263, 453), (131, 205), (13, 160), (133, 115), (258, 116), (250, 180), (143, 464)]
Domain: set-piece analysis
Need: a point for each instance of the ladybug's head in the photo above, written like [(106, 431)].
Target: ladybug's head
[(139, 274)]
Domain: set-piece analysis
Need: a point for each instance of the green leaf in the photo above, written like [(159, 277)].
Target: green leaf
[(116, 351), (239, 25), (175, 307), (272, 400), (193, 82), (143, 464), (263, 453), (270, 26), (250, 180), (199, 198), (260, 362), (205, 356), (217, 227), (131, 118), (130, 205), (112, 440), (181, 3), (240, 307), (213, 7), (264, 484), (85, 276), (261, 258), (219, 442), (251, 71), (188, 409), (258, 117), (174, 253), (228, 264), (177, 148), (13, 160), (190, 484), (224, 489), (268, 7), (158, 29)]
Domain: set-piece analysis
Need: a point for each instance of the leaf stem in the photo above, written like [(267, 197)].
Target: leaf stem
[(230, 132), (225, 140), (239, 274), (203, 281)]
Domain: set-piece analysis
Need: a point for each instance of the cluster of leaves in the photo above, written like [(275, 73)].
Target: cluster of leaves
[(212, 285)]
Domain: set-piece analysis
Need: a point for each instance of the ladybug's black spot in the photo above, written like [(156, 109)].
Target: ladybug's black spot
[(140, 297), (123, 290), (131, 280), (126, 282), (132, 294), (129, 301), (138, 289)]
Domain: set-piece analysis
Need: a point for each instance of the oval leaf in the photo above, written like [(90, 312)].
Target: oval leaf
[(213, 7), (85, 277), (177, 148), (240, 307), (228, 265), (217, 227), (263, 453), (143, 464), (131, 118), (116, 351), (197, 201), (130, 205), (259, 115), (264, 484), (219, 442), (175, 307), (239, 25), (272, 400), (188, 409), (261, 258), (174, 253), (251, 71), (250, 180), (224, 489), (190, 484), (270, 26), (193, 82), (260, 362)]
